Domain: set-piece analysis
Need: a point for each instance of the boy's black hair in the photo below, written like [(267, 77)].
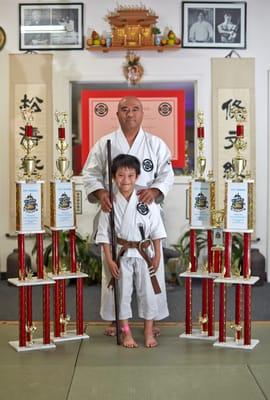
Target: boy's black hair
[(125, 161)]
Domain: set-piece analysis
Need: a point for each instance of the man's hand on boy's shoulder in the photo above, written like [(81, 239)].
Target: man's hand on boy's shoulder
[(147, 196)]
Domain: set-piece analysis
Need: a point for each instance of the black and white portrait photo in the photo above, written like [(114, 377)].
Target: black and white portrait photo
[(201, 28), (214, 24), (51, 26)]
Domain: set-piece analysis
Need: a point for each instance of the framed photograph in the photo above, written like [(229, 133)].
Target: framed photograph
[(214, 25), (51, 26)]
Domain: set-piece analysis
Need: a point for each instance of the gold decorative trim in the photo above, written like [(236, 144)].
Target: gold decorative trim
[(42, 205), (212, 201), (18, 206), (74, 199), (189, 201), (52, 204), (226, 205), (250, 205)]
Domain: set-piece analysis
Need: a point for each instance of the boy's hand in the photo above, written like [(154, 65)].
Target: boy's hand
[(114, 269), (155, 262)]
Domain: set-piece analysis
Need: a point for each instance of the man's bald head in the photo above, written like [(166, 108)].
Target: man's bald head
[(130, 114)]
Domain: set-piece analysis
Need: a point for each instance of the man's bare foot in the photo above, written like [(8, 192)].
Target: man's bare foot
[(150, 341), (128, 341), (110, 330)]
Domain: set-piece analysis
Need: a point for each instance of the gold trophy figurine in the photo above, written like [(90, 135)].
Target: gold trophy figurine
[(64, 321), (202, 321), (217, 217), (62, 163), (31, 329), (201, 160), (239, 163), (237, 332), (28, 162)]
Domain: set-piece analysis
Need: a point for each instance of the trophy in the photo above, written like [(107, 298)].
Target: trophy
[(218, 246), (62, 163), (201, 160), (28, 162), (239, 163)]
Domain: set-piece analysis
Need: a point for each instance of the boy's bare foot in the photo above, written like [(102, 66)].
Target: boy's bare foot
[(111, 330), (150, 341), (156, 331), (128, 341)]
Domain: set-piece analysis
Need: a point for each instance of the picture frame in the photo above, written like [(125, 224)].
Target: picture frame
[(217, 25), (164, 114), (51, 26)]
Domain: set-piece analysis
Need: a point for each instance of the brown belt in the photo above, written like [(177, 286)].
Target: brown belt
[(141, 247)]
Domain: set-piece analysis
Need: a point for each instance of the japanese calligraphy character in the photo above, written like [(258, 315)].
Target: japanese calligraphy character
[(231, 139), (230, 106), (33, 103)]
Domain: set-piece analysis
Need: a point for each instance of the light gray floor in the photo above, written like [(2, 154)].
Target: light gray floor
[(99, 369)]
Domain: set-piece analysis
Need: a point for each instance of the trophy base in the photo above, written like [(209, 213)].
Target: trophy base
[(200, 274), (232, 344), (67, 275), (68, 336), (36, 345), (238, 280), (198, 335)]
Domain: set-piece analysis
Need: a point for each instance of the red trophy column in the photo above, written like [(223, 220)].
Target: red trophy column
[(57, 286), (211, 287), (22, 292), (188, 282), (247, 291)]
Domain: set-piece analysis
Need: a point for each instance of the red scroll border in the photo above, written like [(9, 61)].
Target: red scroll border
[(179, 133)]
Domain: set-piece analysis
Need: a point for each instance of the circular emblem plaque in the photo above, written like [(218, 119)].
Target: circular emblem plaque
[(101, 109), (164, 109)]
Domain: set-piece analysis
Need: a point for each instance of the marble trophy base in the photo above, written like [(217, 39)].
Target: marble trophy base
[(198, 335), (232, 344), (69, 336), (36, 345)]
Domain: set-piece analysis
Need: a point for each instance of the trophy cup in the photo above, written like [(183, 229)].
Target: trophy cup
[(62, 163), (29, 162), (239, 163), (201, 160)]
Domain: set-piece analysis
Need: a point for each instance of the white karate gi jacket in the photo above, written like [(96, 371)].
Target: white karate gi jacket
[(128, 216), (152, 152)]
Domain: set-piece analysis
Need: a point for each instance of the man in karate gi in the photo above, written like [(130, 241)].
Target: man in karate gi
[(156, 177), (134, 262)]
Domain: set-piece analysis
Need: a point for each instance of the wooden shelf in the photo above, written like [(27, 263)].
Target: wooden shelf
[(128, 48)]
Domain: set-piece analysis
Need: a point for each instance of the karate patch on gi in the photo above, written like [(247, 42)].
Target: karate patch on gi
[(147, 165), (143, 208)]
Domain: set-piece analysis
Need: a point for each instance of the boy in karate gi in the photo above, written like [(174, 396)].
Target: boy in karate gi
[(133, 219)]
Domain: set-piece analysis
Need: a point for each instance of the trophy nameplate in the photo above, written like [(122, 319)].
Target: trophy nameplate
[(239, 206), (202, 201), (62, 205), (29, 207)]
